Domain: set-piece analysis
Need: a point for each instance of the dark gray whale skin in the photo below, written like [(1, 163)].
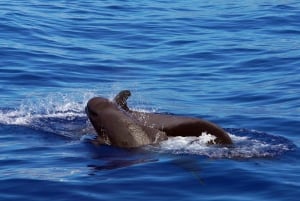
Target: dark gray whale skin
[(117, 125)]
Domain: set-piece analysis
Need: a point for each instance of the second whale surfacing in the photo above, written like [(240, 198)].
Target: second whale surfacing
[(117, 125)]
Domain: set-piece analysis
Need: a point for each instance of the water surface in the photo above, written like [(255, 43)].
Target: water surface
[(233, 63)]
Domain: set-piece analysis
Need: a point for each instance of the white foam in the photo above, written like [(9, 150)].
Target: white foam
[(187, 144)]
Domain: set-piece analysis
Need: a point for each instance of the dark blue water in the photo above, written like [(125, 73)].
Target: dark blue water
[(236, 63)]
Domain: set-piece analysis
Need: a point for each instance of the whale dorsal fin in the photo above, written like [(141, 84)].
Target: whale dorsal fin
[(121, 99)]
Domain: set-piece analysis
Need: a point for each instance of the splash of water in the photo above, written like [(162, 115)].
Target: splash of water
[(56, 105)]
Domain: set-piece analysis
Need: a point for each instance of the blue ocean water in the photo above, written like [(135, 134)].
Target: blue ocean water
[(235, 63)]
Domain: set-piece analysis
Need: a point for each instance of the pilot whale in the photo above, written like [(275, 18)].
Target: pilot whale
[(117, 125)]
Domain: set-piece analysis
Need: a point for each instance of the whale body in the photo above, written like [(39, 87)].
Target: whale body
[(117, 125)]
